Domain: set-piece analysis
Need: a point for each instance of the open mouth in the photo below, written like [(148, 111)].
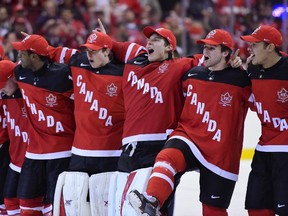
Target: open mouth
[(150, 50), (206, 58)]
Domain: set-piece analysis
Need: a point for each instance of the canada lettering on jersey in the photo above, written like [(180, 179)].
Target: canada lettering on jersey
[(13, 126), (50, 121), (3, 121), (200, 110), (141, 85), (278, 123), (102, 112)]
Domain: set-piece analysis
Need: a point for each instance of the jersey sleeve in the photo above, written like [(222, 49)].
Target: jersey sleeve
[(61, 54), (198, 60), (125, 51)]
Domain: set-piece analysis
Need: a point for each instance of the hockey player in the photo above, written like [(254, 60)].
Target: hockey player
[(99, 106), (46, 89), (151, 87), (16, 117), (4, 146), (152, 96), (209, 135), (267, 184)]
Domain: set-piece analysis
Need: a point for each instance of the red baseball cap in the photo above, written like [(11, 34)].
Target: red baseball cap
[(165, 33), (265, 33), (34, 43), (6, 70), (217, 37), (98, 40)]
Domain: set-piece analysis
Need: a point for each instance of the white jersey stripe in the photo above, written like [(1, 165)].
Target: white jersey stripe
[(147, 137), (162, 176), (48, 156), (166, 166), (272, 148), (128, 52), (15, 168), (63, 54), (96, 153)]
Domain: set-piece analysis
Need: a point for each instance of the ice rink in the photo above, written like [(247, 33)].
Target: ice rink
[(187, 194)]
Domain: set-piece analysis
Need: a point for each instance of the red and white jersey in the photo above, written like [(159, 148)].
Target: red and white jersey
[(49, 108), (17, 125), (99, 107), (270, 99), (61, 54), (212, 120), (152, 93), (6, 69)]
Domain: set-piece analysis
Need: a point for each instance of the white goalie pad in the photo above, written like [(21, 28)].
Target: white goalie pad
[(99, 191), (138, 180), (116, 189), (71, 192), (108, 191)]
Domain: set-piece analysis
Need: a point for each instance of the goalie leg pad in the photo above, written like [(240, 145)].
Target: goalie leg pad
[(72, 190), (137, 180), (99, 190), (109, 191)]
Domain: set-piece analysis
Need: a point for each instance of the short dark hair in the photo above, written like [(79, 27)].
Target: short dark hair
[(110, 55), (277, 49), (225, 48), (166, 43)]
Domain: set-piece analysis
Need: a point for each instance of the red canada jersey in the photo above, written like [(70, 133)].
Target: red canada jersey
[(212, 120), (17, 125), (270, 100), (152, 93), (49, 108), (6, 68), (99, 107)]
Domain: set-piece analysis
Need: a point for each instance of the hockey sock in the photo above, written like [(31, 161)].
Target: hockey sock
[(168, 162), (47, 210), (260, 212), (31, 206), (213, 211), (12, 206), (3, 210)]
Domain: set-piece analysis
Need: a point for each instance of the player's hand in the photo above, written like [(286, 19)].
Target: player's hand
[(235, 60), (10, 87), (101, 27), (248, 61), (24, 34)]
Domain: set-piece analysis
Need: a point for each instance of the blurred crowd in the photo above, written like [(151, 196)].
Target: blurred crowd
[(69, 22)]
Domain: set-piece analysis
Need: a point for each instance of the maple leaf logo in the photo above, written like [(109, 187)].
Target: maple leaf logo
[(51, 100), (111, 90), (226, 99), (92, 38), (163, 68), (282, 95)]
